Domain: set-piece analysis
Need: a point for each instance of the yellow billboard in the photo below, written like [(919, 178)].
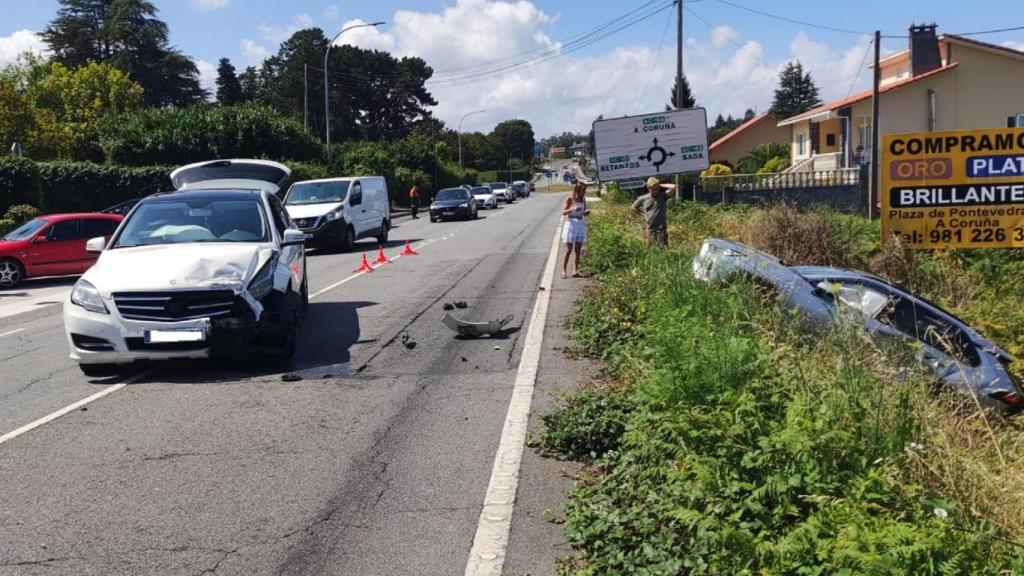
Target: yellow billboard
[(955, 189)]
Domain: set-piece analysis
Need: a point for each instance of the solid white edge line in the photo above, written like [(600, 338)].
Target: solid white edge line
[(11, 332), (51, 417), (490, 544)]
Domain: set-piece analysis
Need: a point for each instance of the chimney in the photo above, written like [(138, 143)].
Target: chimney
[(924, 49)]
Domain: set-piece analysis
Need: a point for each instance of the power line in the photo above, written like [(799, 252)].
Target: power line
[(1015, 28), (654, 66), (791, 20), (862, 63)]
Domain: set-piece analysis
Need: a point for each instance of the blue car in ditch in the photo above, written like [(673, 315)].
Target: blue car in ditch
[(955, 353)]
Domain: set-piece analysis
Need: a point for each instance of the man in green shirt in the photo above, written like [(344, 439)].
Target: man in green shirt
[(654, 207)]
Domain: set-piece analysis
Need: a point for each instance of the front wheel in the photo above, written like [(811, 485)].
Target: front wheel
[(382, 238), (11, 273), (349, 241)]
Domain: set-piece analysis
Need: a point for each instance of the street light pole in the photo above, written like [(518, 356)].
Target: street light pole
[(327, 88), (510, 153), (467, 115)]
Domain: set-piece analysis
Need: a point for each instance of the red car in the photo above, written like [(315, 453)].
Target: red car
[(52, 245)]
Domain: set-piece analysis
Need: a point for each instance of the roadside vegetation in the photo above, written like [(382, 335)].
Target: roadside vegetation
[(723, 440)]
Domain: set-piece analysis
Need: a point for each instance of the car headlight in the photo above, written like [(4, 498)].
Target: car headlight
[(433, 206), (87, 296), (332, 215), (464, 205), (263, 282)]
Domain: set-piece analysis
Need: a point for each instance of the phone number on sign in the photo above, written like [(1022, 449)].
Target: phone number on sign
[(975, 235)]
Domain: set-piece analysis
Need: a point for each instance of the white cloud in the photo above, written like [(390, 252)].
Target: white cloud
[(727, 73), (332, 12), (208, 5), (1014, 45), (254, 53), (368, 37), (278, 34), (722, 35), (207, 77), (20, 42)]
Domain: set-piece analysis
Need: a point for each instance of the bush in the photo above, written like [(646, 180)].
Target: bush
[(774, 166), (85, 187), (19, 183), (178, 136), (716, 177)]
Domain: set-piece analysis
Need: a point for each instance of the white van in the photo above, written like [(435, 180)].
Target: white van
[(335, 212)]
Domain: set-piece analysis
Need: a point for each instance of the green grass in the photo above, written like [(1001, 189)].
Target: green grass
[(726, 441)]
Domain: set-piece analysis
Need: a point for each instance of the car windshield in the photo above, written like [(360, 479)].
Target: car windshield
[(499, 185), (452, 194), (481, 191), (317, 193), (26, 230), (195, 220)]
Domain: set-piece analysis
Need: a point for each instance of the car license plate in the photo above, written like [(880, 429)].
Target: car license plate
[(309, 236), (448, 212), (169, 336)]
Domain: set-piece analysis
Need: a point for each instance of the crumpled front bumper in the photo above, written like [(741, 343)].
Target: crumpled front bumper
[(112, 339)]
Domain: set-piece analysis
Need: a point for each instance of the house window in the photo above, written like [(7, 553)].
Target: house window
[(801, 144), (1016, 121), (830, 140), (865, 136)]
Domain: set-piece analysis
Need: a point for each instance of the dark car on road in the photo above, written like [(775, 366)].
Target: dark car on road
[(955, 353), (453, 203)]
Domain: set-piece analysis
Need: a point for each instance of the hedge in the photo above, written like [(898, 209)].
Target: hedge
[(75, 186)]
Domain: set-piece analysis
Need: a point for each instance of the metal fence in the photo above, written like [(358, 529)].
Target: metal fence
[(843, 189), (783, 180)]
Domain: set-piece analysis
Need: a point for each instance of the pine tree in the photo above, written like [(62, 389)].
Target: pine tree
[(796, 92), (749, 114), (719, 121), (688, 100), (229, 89), (127, 35), (251, 84)]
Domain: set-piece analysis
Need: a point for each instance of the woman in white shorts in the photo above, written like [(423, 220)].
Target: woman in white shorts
[(574, 233)]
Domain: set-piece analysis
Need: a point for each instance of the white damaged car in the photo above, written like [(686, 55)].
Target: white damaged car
[(215, 268)]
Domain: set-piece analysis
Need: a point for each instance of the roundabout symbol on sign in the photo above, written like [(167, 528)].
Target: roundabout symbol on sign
[(660, 152)]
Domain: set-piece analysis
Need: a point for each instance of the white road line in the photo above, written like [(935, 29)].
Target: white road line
[(417, 247), (51, 417), (11, 332), (487, 557)]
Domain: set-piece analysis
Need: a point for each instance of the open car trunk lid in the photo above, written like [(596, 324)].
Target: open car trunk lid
[(238, 173)]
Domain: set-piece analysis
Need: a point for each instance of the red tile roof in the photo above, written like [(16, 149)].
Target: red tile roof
[(739, 129), (866, 94)]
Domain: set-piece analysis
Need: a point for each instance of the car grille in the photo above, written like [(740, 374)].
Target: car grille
[(305, 223), (174, 306)]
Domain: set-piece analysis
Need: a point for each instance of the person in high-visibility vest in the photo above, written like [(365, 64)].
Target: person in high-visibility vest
[(414, 201)]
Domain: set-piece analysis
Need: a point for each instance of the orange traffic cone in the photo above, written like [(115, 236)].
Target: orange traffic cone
[(381, 258), (364, 267), (408, 250)]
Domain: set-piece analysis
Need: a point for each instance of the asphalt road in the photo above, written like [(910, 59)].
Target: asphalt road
[(375, 462)]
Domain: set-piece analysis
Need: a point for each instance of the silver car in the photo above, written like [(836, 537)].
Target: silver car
[(956, 353)]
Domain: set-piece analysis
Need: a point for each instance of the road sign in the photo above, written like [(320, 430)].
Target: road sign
[(631, 184), (652, 144), (954, 189), (538, 150)]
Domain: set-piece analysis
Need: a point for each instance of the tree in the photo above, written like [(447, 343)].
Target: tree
[(749, 114), (127, 35), (758, 156), (513, 137), (229, 89), (688, 100), (796, 92), (251, 84)]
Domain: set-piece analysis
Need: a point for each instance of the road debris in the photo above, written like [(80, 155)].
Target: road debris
[(476, 329), (290, 377), (461, 305), (448, 307), (407, 341)]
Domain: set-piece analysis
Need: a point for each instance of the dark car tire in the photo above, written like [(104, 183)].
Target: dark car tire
[(349, 241), (432, 219), (11, 273), (98, 370), (382, 238)]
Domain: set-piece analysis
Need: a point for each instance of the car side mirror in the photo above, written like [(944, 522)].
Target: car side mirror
[(41, 239), (292, 237), (95, 245)]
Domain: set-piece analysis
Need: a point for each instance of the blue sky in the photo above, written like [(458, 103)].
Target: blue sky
[(731, 62)]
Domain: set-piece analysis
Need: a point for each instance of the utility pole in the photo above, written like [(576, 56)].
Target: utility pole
[(305, 97), (873, 192), (679, 71), (327, 84)]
